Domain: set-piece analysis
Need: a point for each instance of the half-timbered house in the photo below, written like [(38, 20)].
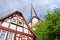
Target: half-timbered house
[(15, 27)]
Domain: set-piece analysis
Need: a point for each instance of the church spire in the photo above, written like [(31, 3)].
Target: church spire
[(33, 12)]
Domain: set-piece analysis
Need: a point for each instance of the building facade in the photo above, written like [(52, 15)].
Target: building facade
[(15, 27)]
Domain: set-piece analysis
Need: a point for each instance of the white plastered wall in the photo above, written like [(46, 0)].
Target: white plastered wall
[(25, 25), (34, 21), (19, 29), (25, 30), (5, 24), (13, 27)]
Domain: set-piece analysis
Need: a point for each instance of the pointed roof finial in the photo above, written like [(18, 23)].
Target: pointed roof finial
[(33, 12)]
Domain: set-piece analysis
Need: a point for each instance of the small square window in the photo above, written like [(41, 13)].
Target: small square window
[(14, 21), (24, 37), (19, 23)]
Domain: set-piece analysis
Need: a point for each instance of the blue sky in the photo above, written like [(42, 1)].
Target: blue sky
[(41, 6)]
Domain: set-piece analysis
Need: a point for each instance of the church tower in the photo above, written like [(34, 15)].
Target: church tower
[(34, 18)]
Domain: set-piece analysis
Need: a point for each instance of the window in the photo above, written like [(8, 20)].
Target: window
[(14, 21), (10, 36), (0, 32), (24, 37), (2, 35), (19, 23)]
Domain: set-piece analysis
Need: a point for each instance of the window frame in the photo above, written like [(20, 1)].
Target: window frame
[(4, 34), (14, 21), (21, 24), (9, 35), (24, 37)]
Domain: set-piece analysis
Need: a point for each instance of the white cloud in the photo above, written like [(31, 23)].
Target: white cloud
[(41, 6)]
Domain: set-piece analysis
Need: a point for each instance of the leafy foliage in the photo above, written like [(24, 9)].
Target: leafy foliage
[(49, 28)]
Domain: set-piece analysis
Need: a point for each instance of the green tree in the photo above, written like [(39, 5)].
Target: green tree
[(49, 28)]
